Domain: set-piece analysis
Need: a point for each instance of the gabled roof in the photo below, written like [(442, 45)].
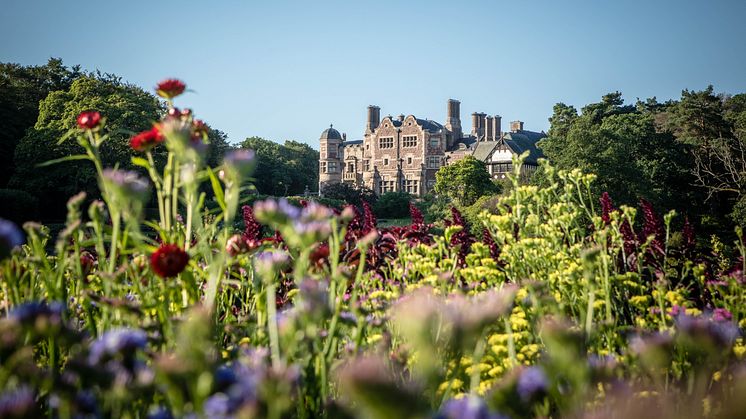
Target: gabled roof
[(483, 149), (520, 141)]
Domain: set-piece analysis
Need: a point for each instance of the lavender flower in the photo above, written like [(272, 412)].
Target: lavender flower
[(276, 212), (268, 263), (18, 403), (29, 313), (240, 163), (117, 341), (10, 238), (126, 184), (532, 383), (469, 407)]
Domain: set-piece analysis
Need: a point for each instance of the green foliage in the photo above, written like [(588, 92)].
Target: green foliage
[(392, 205), (18, 206), (348, 193), (22, 88), (126, 107), (487, 203), (284, 169), (464, 181), (626, 148)]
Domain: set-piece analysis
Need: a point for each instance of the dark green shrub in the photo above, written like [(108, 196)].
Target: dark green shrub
[(348, 193), (18, 206), (392, 205), (471, 213)]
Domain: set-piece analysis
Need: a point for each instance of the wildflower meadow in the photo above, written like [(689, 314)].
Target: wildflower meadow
[(558, 304)]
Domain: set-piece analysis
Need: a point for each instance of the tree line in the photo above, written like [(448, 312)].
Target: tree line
[(39, 104)]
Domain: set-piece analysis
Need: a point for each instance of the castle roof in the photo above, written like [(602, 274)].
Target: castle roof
[(429, 125), (330, 134), (522, 140)]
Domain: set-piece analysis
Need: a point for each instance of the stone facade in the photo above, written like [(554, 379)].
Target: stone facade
[(403, 153)]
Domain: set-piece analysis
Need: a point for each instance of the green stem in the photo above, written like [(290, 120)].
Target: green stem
[(274, 342)]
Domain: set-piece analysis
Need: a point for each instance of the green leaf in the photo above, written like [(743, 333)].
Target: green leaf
[(67, 135), (64, 159), (217, 189)]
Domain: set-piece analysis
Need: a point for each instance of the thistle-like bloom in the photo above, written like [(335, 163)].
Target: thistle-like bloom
[(146, 140), (169, 260), (114, 342), (19, 403), (170, 88), (240, 163), (29, 313), (532, 383), (270, 262), (126, 183), (89, 120), (10, 238), (469, 407)]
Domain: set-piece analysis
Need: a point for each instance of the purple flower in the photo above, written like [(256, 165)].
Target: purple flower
[(469, 407), (268, 263), (18, 403), (532, 383), (117, 341), (240, 163), (126, 183), (28, 313), (276, 211), (10, 238)]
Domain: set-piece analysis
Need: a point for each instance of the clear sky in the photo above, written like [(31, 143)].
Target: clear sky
[(287, 69)]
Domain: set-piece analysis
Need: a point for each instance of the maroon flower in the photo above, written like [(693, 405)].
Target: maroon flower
[(606, 208), (418, 219), (87, 262), (146, 140), (170, 88), (89, 120), (252, 230), (369, 219), (169, 260)]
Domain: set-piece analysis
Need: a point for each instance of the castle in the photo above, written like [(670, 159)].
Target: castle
[(404, 153)]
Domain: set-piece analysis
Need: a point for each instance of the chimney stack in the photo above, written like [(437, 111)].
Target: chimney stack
[(401, 117), (488, 135), (374, 119), (497, 127), (344, 136), (477, 124), (516, 126)]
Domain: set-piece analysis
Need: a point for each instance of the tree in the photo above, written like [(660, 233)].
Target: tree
[(464, 181), (624, 147), (283, 169), (125, 107), (22, 88)]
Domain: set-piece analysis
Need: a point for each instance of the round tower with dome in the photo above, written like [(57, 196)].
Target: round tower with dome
[(330, 157)]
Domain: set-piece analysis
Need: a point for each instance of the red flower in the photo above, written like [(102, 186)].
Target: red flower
[(170, 88), (89, 120), (169, 260), (146, 140)]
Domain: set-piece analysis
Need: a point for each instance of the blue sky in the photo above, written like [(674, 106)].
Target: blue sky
[(287, 69)]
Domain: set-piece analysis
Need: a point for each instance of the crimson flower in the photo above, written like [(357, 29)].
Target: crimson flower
[(169, 260), (170, 88), (146, 140), (89, 120)]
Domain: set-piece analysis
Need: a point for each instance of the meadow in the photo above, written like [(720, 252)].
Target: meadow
[(563, 306)]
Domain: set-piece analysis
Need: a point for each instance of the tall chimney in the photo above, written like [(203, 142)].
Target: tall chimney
[(488, 135), (475, 131), (374, 118), (453, 120), (497, 127)]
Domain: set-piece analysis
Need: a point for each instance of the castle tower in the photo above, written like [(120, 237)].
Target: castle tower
[(330, 157)]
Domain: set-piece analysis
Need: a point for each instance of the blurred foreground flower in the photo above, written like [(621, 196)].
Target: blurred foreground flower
[(10, 237), (170, 88), (146, 140), (469, 407), (169, 260), (126, 184)]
